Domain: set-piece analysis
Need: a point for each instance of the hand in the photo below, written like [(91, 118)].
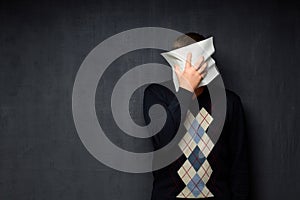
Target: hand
[(191, 76)]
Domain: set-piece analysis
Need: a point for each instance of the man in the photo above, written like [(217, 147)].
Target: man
[(228, 158)]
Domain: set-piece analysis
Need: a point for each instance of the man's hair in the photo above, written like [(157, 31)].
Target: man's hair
[(187, 39)]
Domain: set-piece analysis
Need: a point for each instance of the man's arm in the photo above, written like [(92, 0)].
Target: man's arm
[(239, 180), (188, 79), (156, 94)]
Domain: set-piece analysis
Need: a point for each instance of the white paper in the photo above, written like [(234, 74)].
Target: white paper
[(203, 48)]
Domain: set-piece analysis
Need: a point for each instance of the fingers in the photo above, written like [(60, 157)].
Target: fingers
[(188, 60), (199, 62), (202, 68), (199, 67), (203, 74), (177, 70)]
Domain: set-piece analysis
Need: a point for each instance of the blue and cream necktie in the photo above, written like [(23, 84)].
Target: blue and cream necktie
[(196, 146)]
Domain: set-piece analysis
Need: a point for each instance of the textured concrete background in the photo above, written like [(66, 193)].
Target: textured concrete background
[(42, 44)]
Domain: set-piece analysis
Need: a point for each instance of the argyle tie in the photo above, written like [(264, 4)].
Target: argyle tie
[(196, 146)]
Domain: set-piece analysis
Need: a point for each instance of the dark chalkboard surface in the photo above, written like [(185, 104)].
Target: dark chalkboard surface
[(43, 43)]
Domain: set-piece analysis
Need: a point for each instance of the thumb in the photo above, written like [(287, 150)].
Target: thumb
[(177, 70)]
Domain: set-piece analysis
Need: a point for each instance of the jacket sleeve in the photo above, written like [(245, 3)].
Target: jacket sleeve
[(157, 94), (239, 173)]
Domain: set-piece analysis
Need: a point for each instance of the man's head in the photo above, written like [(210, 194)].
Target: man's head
[(187, 39)]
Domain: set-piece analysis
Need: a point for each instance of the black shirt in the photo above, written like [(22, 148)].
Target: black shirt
[(228, 158)]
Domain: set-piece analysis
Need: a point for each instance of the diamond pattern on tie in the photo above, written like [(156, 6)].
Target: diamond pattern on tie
[(196, 158), (196, 146)]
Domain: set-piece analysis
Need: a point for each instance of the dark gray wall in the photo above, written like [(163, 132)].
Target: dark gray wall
[(43, 44)]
